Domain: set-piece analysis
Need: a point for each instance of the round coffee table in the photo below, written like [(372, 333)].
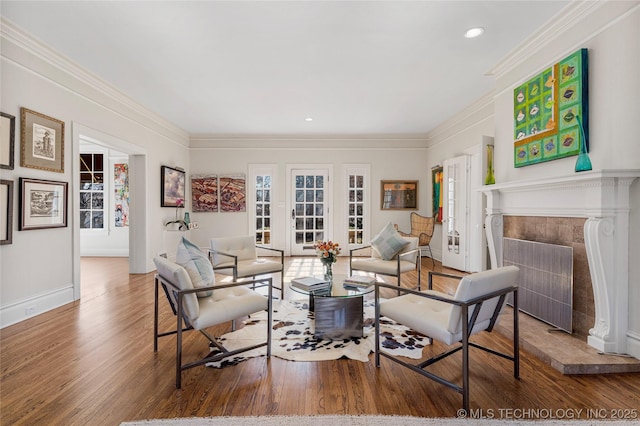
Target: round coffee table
[(338, 311)]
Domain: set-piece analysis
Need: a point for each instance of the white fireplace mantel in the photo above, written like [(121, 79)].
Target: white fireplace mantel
[(603, 198)]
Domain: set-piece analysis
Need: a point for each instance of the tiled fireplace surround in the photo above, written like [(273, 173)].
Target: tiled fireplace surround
[(588, 211)]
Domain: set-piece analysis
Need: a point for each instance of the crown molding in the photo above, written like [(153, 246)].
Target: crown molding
[(24, 40), (571, 14)]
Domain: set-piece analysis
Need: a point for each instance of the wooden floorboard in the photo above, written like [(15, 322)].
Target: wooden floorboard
[(92, 362)]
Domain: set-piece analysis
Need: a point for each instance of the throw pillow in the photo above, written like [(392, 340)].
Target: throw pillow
[(388, 242), (191, 258)]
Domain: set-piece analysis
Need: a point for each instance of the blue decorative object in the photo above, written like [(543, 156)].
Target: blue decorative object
[(583, 163)]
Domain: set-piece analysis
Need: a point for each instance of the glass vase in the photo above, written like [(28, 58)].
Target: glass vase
[(328, 270), (489, 179), (583, 163)]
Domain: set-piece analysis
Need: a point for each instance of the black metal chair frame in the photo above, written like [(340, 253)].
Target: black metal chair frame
[(183, 325), (467, 326), (234, 267), (398, 259)]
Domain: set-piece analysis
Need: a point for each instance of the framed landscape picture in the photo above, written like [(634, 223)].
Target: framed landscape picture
[(172, 187), (43, 204), (204, 193), (399, 194), (42, 142)]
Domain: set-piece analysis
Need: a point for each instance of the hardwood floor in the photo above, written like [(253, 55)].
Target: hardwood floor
[(92, 362)]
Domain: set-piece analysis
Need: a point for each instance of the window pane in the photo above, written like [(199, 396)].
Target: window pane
[(267, 181), (299, 209), (299, 224), (309, 223), (97, 200), (258, 181), (299, 181), (320, 195), (98, 163), (267, 196), (86, 180), (319, 209), (319, 223), (86, 162), (259, 223), (308, 237), (98, 220), (258, 209), (85, 220), (267, 209), (309, 182), (319, 181), (360, 182), (85, 200), (259, 195), (299, 196), (309, 196), (309, 210)]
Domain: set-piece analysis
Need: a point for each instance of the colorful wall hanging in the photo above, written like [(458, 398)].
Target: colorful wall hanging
[(545, 110), (121, 189), (204, 193), (233, 193)]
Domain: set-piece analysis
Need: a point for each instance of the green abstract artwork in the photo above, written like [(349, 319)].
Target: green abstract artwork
[(545, 110)]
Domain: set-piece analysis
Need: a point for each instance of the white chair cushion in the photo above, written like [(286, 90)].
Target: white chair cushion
[(388, 242), (200, 270), (244, 247), (228, 304), (179, 277), (252, 267), (379, 266)]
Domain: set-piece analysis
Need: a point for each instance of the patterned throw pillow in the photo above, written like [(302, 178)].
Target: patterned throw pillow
[(191, 258), (388, 242)]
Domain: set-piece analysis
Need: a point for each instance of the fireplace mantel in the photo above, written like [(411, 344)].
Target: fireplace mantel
[(603, 198)]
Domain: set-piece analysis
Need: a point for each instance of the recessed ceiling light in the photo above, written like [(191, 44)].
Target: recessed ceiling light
[(308, 119), (474, 32)]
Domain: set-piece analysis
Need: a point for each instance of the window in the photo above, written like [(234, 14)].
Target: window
[(92, 200), (357, 205), (263, 208)]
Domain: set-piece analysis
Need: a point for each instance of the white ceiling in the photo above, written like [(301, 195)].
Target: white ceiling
[(245, 67)]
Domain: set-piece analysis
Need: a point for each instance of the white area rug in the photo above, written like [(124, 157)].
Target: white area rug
[(292, 337), (336, 420)]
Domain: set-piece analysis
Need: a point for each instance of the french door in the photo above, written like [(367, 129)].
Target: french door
[(309, 209), (455, 213)]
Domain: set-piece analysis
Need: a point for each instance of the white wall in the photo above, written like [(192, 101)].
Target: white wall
[(389, 159), (611, 32), (39, 269)]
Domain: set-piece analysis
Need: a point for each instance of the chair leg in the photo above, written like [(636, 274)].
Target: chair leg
[(179, 344), (516, 337), (465, 358)]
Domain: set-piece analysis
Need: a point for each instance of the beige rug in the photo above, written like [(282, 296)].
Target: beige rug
[(338, 420)]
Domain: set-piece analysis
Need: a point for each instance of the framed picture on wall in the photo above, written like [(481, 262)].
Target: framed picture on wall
[(43, 204), (42, 142), (6, 213), (436, 193), (399, 194), (172, 187), (7, 140)]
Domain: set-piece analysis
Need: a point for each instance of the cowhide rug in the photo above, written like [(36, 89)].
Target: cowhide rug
[(292, 337)]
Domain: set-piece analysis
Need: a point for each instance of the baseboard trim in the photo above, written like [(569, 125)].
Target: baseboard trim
[(19, 311), (633, 344), (105, 253)]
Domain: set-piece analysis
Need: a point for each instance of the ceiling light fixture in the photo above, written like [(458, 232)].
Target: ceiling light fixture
[(474, 32), (308, 119)]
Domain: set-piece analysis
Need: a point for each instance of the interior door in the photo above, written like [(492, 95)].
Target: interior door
[(310, 209), (455, 213)]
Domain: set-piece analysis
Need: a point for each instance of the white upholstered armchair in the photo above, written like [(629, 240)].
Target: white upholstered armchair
[(238, 257), (452, 320), (198, 307), (391, 255)]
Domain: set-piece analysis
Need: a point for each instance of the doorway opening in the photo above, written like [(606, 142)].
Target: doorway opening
[(132, 242)]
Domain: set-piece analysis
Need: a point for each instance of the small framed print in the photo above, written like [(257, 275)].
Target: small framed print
[(6, 211), (42, 142), (7, 141), (399, 194), (43, 204), (172, 187)]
